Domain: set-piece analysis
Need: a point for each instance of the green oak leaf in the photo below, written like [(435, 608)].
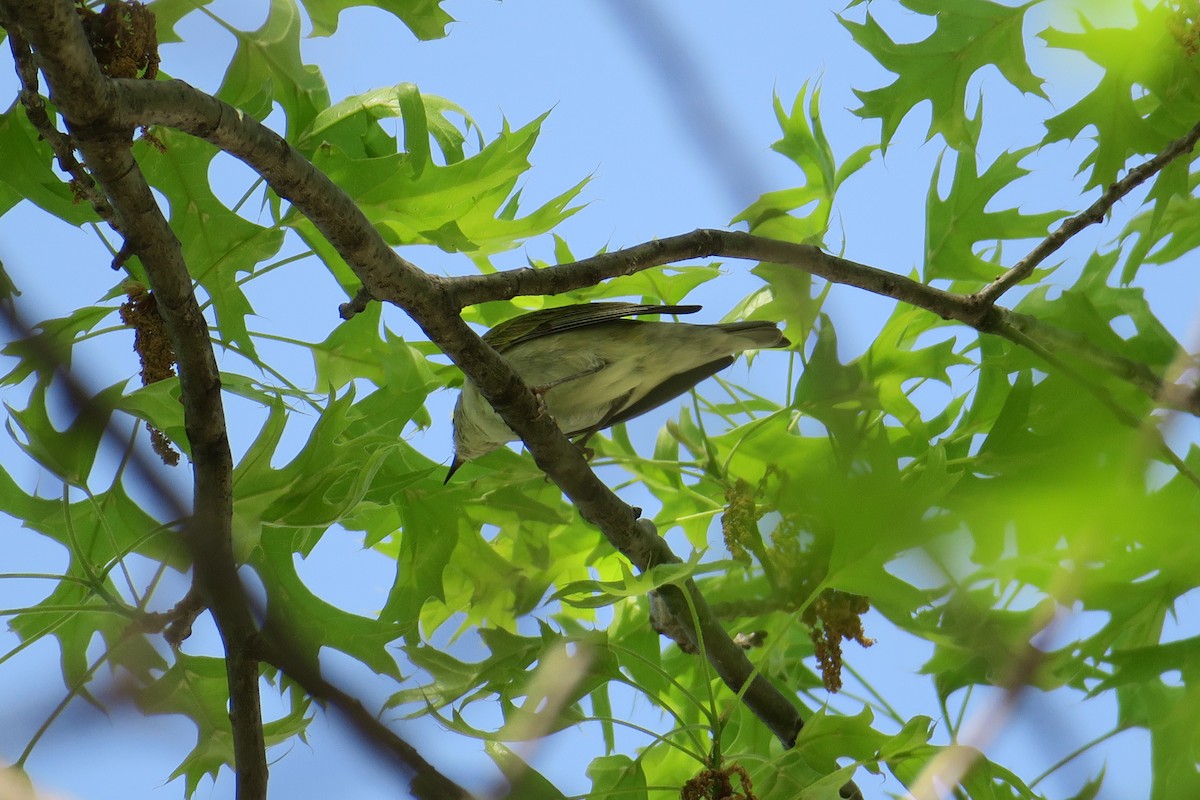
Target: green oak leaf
[(425, 18), (218, 244), (68, 453), (299, 616), (197, 687), (467, 206), (805, 144), (956, 225), (168, 13), (267, 68), (1148, 95), (969, 35), (1171, 229), (618, 774), (53, 336), (27, 171)]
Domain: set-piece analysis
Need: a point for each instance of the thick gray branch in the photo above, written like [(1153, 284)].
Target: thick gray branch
[(84, 96), (431, 302)]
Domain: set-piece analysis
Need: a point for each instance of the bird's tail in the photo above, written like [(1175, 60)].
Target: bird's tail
[(762, 334)]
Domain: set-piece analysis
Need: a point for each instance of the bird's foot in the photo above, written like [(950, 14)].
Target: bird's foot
[(539, 391), (539, 395), (581, 446)]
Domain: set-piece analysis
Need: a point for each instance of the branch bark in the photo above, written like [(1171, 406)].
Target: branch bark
[(84, 96)]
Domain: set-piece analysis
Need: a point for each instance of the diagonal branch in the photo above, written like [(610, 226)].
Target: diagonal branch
[(1092, 215), (433, 305), (84, 97)]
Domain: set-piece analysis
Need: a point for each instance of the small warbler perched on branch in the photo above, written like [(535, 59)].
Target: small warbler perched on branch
[(592, 368)]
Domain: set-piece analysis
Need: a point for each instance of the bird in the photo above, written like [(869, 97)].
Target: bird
[(592, 367)]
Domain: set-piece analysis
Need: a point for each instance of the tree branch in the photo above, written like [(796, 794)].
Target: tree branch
[(60, 143), (84, 96), (704, 243), (1093, 214)]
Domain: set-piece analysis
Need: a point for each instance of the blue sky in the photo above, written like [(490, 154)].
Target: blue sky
[(671, 144)]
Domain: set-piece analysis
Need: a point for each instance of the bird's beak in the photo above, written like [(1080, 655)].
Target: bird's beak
[(454, 465)]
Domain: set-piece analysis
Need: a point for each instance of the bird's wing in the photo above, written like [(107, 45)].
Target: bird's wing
[(556, 320), (669, 389)]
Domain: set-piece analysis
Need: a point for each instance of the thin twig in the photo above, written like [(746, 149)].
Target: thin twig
[(356, 305), (1093, 214), (64, 151)]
